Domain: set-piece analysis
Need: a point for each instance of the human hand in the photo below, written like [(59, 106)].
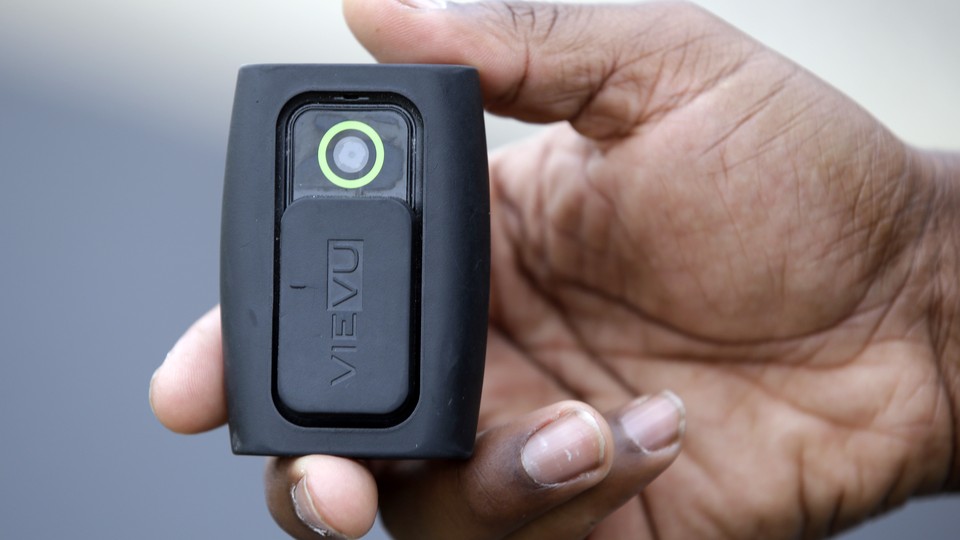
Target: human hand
[(713, 220)]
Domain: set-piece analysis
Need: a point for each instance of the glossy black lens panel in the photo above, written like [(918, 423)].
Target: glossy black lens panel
[(336, 150)]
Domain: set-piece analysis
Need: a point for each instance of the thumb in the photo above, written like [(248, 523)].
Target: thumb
[(606, 69)]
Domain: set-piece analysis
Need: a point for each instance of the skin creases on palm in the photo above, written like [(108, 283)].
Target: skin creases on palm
[(766, 264)]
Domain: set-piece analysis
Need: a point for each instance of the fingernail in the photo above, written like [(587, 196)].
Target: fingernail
[(307, 511), (425, 4), (564, 449), (153, 378), (655, 423)]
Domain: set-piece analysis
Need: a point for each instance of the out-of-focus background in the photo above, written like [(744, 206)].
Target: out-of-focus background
[(113, 125)]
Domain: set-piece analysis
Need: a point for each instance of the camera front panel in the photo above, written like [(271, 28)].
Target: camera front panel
[(355, 260), (348, 321)]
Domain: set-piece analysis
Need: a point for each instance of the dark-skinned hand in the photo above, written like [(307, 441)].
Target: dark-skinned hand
[(706, 217)]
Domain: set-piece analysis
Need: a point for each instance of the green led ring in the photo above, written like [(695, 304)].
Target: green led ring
[(377, 146)]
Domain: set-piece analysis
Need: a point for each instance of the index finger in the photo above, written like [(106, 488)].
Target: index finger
[(187, 391)]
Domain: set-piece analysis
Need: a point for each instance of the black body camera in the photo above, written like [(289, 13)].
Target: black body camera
[(355, 260)]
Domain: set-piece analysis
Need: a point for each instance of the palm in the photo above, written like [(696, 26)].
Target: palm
[(761, 314)]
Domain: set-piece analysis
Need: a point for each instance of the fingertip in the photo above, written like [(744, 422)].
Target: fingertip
[(570, 441), (365, 17), (654, 424), (186, 392), (647, 438), (399, 31), (328, 495)]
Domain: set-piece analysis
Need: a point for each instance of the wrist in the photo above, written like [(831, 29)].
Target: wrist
[(941, 172)]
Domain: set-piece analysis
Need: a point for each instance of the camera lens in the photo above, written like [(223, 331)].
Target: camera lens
[(350, 154)]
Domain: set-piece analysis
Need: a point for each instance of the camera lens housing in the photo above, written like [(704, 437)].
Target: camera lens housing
[(354, 285), (351, 154)]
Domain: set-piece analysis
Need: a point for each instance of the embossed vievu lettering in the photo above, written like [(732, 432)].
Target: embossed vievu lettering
[(344, 304)]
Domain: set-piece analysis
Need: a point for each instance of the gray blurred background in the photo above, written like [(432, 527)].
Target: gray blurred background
[(113, 125)]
